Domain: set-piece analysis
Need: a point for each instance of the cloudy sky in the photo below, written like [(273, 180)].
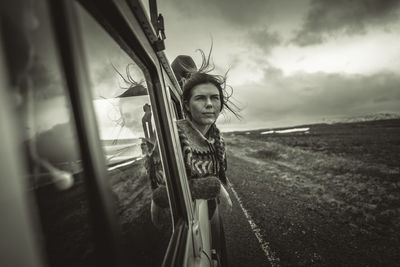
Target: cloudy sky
[(294, 62)]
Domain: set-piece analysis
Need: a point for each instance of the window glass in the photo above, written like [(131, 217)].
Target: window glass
[(49, 140), (127, 130)]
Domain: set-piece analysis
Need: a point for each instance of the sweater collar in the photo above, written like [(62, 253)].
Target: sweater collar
[(197, 139)]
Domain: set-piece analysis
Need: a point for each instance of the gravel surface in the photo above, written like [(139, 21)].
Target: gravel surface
[(313, 207)]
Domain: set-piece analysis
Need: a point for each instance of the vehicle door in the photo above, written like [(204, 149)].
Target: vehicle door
[(77, 142)]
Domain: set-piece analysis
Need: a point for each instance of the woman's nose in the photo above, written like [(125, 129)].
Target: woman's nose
[(209, 102)]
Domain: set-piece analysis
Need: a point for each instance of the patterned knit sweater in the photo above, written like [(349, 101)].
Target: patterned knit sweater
[(202, 156)]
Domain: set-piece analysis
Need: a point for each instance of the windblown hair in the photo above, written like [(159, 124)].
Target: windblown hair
[(131, 87), (191, 77), (129, 81)]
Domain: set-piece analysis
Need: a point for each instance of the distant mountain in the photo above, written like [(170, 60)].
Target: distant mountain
[(361, 118), (296, 128)]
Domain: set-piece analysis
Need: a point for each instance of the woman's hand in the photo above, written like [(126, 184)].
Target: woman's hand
[(225, 199)]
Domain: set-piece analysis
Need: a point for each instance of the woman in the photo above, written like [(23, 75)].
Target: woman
[(204, 98)]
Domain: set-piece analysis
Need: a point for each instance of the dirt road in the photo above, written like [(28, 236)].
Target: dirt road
[(243, 247), (306, 215)]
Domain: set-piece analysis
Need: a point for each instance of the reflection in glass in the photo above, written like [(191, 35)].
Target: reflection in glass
[(126, 127), (49, 141)]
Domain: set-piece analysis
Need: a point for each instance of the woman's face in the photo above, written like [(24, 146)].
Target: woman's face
[(204, 104)]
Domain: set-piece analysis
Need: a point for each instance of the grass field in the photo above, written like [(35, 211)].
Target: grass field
[(328, 197)]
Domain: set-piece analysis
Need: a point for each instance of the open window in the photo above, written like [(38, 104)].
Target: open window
[(120, 91)]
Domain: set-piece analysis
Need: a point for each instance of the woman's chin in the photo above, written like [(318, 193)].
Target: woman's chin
[(204, 122), (208, 121)]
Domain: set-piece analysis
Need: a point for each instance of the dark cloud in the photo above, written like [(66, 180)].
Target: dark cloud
[(353, 94), (239, 12), (311, 96), (264, 39), (351, 17), (46, 78)]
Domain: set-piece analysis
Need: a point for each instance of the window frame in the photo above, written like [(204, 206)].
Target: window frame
[(69, 45), (118, 17)]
